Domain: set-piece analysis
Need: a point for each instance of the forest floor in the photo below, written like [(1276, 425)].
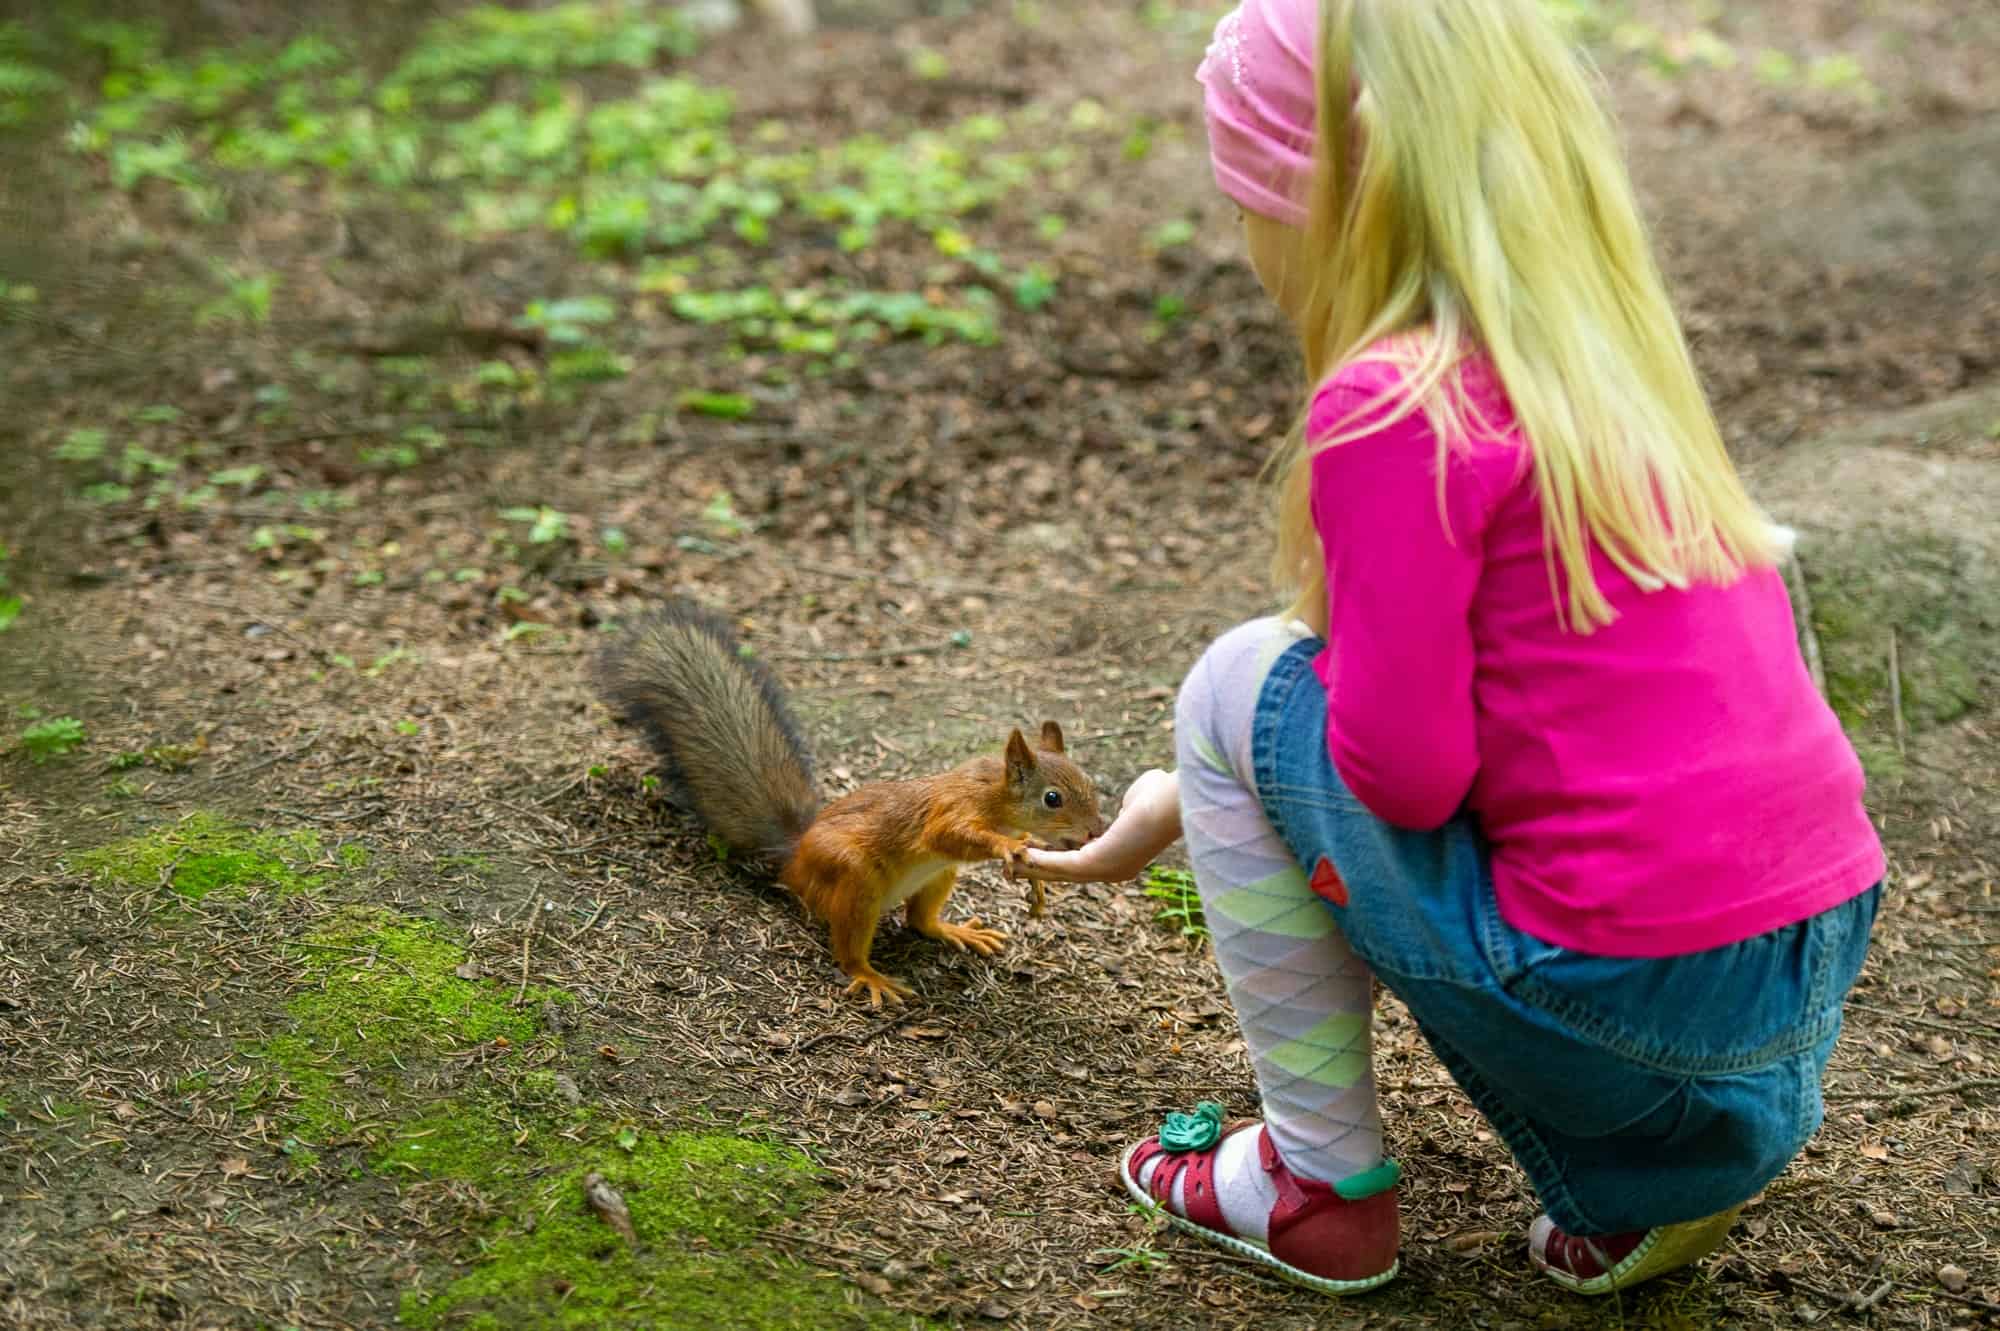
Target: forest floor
[(360, 382)]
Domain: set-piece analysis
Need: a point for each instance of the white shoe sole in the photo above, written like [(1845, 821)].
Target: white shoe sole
[(1249, 1248)]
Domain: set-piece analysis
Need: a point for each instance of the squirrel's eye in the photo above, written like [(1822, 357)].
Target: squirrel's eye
[(1052, 798)]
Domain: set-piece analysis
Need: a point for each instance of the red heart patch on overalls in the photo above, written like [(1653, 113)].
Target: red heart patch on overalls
[(1327, 883)]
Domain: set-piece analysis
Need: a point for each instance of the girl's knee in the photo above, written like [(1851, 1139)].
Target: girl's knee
[(1236, 662), (1218, 699)]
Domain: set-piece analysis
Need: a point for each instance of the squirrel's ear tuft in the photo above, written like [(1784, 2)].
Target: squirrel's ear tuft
[(1020, 762), (1051, 737)]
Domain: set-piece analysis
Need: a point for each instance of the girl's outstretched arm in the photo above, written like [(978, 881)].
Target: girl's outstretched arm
[(1149, 820)]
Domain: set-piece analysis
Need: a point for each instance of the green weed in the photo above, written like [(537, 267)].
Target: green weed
[(545, 525), (1180, 907), (25, 89), (10, 606), (729, 406), (53, 738)]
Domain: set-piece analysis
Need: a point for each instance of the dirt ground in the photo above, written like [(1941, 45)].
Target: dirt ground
[(344, 937)]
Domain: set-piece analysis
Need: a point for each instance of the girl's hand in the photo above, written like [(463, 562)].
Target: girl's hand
[(1149, 820)]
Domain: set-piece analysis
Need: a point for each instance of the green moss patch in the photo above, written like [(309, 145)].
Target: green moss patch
[(202, 854), (1941, 599), (694, 1200), (382, 989)]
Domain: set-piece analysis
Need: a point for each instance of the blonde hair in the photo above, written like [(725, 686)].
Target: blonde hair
[(1469, 192)]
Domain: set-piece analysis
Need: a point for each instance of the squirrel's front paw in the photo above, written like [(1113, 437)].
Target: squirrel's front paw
[(1014, 859), (971, 937), (879, 988)]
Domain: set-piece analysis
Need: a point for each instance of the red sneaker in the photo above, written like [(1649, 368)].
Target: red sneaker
[(1602, 1263), (1337, 1238)]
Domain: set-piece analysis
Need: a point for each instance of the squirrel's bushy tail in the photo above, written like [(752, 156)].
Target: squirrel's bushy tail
[(720, 720)]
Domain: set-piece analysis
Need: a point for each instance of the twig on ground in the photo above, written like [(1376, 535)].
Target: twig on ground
[(1923, 1093), (261, 764), (1908, 1019), (875, 654), (527, 943), (1795, 579), (1896, 690)]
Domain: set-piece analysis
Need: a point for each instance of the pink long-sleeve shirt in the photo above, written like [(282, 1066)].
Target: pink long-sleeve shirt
[(1666, 784)]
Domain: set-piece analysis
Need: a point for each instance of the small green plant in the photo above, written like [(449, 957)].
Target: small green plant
[(1842, 73), (1142, 1258), (545, 525), (82, 445), (1180, 903), (728, 406), (721, 511), (52, 738), (10, 606), (567, 321), (1776, 68), (1034, 288), (246, 299), (587, 365), (25, 89)]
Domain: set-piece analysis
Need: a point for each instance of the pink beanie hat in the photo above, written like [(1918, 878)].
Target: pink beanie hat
[(1260, 98)]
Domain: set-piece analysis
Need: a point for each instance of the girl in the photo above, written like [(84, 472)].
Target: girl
[(1534, 743)]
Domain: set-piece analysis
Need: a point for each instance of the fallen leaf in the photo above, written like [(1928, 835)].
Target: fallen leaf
[(1044, 1109), (1471, 1239), (609, 1205), (1953, 1278), (608, 1052), (1874, 1150), (995, 1310), (924, 1032), (954, 1156), (1883, 1219), (1964, 1177), (467, 970), (873, 1283), (779, 1039), (952, 1199), (851, 1096), (1939, 1046), (235, 1167), (126, 1110)]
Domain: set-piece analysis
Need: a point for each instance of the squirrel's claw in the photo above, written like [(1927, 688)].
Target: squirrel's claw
[(880, 988), (971, 937)]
